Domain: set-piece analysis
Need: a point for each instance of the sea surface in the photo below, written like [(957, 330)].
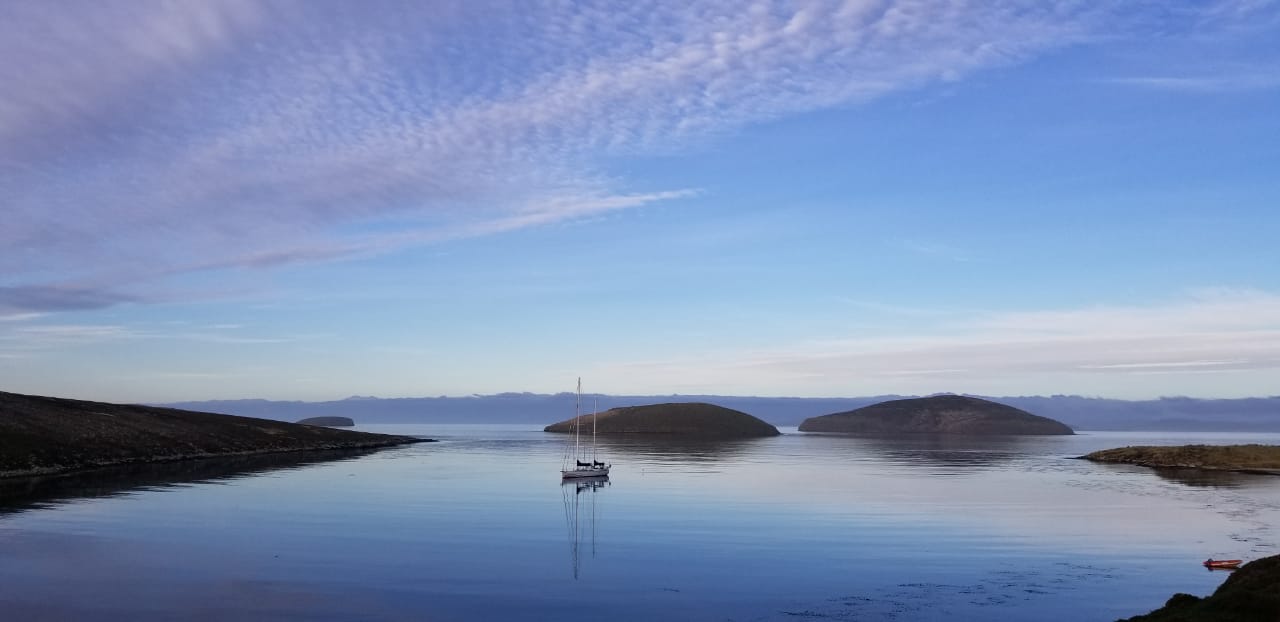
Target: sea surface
[(479, 527)]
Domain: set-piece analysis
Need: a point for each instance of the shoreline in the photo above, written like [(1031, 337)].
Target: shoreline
[(93, 465), (1250, 459)]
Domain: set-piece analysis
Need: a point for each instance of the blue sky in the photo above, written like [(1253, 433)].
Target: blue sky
[(303, 200)]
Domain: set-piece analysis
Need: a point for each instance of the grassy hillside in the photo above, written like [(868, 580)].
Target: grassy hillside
[(41, 435)]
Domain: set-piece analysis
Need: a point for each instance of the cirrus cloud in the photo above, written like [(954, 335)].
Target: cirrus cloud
[(146, 140)]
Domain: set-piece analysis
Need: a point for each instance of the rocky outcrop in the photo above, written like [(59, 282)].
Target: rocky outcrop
[(1242, 458), (691, 419), (940, 414), (44, 435), (1250, 594), (329, 422)]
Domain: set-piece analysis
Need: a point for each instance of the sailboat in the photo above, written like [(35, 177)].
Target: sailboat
[(584, 463)]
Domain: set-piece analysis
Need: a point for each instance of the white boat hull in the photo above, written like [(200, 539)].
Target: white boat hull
[(578, 473)]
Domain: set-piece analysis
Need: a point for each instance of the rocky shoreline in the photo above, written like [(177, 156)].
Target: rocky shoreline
[(46, 435), (1260, 459)]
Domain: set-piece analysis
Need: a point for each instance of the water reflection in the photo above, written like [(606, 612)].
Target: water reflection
[(944, 453), (27, 493), (581, 515), (653, 448), (1205, 478)]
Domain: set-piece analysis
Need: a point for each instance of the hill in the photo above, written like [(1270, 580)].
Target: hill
[(675, 419), (940, 414), (42, 435)]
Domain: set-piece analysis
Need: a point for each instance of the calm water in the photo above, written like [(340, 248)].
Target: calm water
[(792, 528)]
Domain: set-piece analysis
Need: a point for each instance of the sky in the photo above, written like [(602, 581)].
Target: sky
[(311, 200)]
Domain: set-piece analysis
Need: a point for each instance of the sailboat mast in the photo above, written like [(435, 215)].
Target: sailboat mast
[(595, 414), (577, 423)]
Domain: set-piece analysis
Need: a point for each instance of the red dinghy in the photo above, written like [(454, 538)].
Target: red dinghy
[(1228, 564)]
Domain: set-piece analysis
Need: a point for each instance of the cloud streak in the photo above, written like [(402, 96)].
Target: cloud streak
[(213, 136), (25, 302), (1214, 331), (1205, 84)]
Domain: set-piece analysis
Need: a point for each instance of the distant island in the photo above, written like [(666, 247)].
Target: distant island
[(689, 419), (1260, 414), (1250, 594), (329, 422), (46, 435), (939, 414), (1243, 458)]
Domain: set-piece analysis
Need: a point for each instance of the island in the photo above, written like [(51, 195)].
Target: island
[(938, 414), (1250, 594), (685, 419), (1240, 458), (328, 422), (48, 435)]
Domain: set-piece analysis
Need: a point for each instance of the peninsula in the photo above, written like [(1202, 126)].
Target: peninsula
[(692, 419), (1242, 458), (939, 414), (47, 435)]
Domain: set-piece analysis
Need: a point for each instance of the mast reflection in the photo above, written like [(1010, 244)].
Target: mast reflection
[(581, 515)]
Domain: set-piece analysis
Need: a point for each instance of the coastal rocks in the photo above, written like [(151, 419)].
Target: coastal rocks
[(1242, 458), (329, 422), (1250, 594), (44, 435), (940, 414), (692, 419)]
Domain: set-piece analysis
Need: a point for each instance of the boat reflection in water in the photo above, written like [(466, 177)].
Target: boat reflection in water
[(581, 515)]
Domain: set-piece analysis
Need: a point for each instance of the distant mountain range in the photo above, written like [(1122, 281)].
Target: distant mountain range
[(1261, 414)]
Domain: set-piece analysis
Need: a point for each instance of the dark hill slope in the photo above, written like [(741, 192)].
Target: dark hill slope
[(40, 435), (940, 414), (692, 419), (1250, 594)]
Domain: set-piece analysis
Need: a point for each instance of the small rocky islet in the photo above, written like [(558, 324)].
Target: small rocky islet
[(938, 414), (329, 422), (48, 435), (683, 419)]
